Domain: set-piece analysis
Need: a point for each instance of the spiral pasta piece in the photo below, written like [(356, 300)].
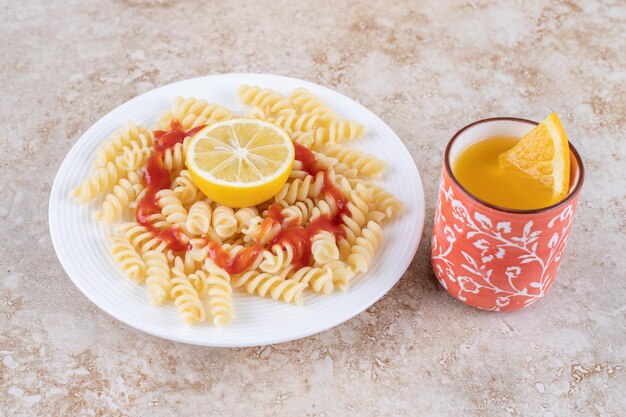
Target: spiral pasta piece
[(185, 296), (158, 221), (165, 121), (298, 189), (341, 274), (120, 140), (234, 249), (240, 280), (127, 258), (147, 238), (116, 202), (220, 294), (297, 171), (385, 202), (346, 170), (157, 276), (245, 216), (258, 113), (352, 224), (344, 247), (363, 251), (141, 237), (102, 180), (274, 286), (351, 229), (318, 279), (307, 102), (359, 204), (173, 158), (189, 264), (199, 250), (376, 216), (324, 247), (199, 218), (324, 207), (338, 131), (136, 153), (267, 100), (366, 165), (172, 208), (191, 112), (253, 231), (298, 213), (185, 189), (224, 221), (200, 281), (277, 258), (295, 122)]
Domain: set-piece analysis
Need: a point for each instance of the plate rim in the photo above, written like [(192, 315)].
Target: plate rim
[(54, 234)]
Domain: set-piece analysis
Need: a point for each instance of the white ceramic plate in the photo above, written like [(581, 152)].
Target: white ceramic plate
[(81, 245)]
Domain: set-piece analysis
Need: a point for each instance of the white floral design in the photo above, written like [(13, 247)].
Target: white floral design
[(468, 285), (503, 301), (494, 240)]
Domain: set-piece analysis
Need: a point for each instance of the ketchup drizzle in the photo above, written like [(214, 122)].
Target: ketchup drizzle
[(157, 178), (238, 263), (299, 237), (312, 167)]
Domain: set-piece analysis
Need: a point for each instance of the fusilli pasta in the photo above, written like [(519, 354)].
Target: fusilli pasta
[(184, 188), (318, 279), (192, 112), (366, 165), (220, 294), (121, 140), (172, 208), (158, 276), (102, 180), (224, 221), (115, 203), (298, 189), (307, 102), (274, 286), (184, 294), (267, 100), (363, 251), (127, 258), (320, 230), (199, 218), (324, 247)]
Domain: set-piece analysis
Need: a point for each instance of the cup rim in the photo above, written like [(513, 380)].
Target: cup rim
[(570, 196)]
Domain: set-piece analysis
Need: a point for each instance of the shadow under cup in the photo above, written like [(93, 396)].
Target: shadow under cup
[(492, 257)]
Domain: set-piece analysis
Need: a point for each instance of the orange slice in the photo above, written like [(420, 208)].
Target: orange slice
[(543, 153)]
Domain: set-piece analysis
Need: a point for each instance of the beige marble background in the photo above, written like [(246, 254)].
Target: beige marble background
[(427, 68)]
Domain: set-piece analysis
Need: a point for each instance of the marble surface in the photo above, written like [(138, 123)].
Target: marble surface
[(427, 68)]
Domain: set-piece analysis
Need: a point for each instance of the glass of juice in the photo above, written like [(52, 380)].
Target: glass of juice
[(499, 234)]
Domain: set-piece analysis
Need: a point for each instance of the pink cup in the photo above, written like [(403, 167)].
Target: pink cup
[(491, 257)]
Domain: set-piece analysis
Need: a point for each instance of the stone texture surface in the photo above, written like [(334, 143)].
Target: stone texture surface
[(427, 68)]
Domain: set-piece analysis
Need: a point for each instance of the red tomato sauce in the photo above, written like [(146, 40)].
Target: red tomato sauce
[(300, 238), (157, 178)]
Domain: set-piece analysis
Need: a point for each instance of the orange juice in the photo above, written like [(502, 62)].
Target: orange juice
[(479, 172)]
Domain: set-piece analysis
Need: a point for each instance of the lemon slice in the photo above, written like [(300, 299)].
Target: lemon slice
[(543, 153), (240, 162)]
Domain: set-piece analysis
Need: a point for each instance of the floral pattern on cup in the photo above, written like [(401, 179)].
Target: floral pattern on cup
[(496, 260)]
